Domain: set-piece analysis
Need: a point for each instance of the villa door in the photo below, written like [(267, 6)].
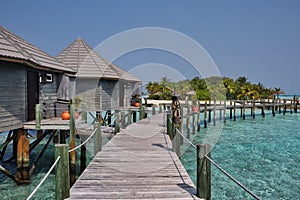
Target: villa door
[(32, 94)]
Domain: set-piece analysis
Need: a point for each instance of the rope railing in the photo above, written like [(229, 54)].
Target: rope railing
[(84, 141), (220, 168), (43, 180)]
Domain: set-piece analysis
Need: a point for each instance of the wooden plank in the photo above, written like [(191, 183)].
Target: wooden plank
[(138, 163)]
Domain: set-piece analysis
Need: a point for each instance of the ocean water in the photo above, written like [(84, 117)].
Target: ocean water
[(262, 153)]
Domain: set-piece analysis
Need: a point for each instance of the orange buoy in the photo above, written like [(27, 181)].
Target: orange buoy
[(137, 104), (65, 115)]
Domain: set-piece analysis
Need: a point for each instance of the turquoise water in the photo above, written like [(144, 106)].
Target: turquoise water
[(262, 153)]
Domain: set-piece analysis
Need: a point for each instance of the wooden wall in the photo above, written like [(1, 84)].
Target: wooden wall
[(13, 97), (98, 95), (48, 96), (110, 94)]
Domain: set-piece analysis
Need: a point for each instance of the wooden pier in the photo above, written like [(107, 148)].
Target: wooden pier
[(138, 163)]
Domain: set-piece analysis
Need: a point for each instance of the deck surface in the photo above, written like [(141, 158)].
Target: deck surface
[(138, 163)]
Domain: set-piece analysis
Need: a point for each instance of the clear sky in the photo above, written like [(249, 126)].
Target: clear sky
[(253, 38)]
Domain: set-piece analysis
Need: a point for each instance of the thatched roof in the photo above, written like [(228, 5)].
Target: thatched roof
[(80, 57), (15, 49)]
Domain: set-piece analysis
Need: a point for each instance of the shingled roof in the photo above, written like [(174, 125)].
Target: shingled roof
[(80, 57), (14, 48)]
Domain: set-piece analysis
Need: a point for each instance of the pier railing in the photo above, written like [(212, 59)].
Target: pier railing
[(204, 161)]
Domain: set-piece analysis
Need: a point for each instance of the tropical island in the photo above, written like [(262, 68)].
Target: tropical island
[(203, 89)]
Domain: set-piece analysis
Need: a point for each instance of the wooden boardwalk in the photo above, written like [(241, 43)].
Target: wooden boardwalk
[(138, 163)]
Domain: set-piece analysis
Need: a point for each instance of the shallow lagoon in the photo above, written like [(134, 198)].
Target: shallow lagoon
[(263, 154)]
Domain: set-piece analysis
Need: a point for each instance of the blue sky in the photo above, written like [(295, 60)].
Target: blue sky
[(253, 38)]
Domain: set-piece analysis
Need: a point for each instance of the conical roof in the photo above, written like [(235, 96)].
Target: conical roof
[(14, 48), (80, 57)]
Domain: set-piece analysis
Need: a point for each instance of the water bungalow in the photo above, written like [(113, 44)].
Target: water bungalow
[(100, 85), (28, 76)]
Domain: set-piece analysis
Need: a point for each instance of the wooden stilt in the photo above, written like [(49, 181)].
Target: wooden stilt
[(230, 111), (234, 110), (205, 115), (198, 117), (23, 157), (224, 112)]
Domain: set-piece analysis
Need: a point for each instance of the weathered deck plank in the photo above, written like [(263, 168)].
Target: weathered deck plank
[(138, 163)]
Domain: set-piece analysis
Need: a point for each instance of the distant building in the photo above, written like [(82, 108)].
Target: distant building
[(28, 76), (100, 85)]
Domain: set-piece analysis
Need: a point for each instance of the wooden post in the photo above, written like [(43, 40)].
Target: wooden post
[(134, 116), (153, 110), (160, 108), (291, 107), (123, 123), (169, 126), (198, 117), (117, 122), (129, 117), (142, 112), (230, 111), (215, 112), (188, 122), (244, 110), (284, 106), (176, 141), (22, 156), (273, 107), (72, 146), (203, 171), (205, 115), (194, 123), (263, 109), (38, 116), (62, 136), (295, 104), (181, 120), (209, 112), (97, 138), (220, 118), (234, 110), (82, 158), (108, 117), (254, 108), (55, 137), (224, 112), (62, 174)]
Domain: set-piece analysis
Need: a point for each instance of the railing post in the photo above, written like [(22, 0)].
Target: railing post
[(62, 173), (117, 122), (234, 110), (224, 112), (205, 115), (129, 117), (153, 110), (38, 116), (72, 146), (198, 117), (215, 112), (169, 126), (203, 171), (97, 138), (263, 109), (123, 119)]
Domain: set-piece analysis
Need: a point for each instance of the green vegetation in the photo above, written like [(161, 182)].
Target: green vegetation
[(208, 88)]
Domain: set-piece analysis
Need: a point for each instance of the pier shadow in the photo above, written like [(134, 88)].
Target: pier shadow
[(162, 146), (188, 188)]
